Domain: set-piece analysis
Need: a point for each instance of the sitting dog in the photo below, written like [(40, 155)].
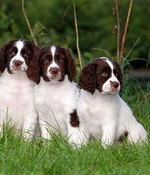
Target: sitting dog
[(16, 87), (56, 95), (102, 112)]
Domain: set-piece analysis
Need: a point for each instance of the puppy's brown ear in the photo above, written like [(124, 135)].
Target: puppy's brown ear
[(87, 78), (2, 58), (33, 71), (119, 74), (71, 67)]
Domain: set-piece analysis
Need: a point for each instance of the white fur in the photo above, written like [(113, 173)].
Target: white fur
[(49, 75), (53, 51), (55, 101), (106, 117), (107, 85), (16, 104), (53, 65), (19, 45)]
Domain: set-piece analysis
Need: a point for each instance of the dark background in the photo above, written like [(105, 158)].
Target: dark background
[(52, 22)]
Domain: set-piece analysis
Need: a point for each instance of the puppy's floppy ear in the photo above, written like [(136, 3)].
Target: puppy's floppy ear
[(3, 61), (120, 77), (71, 67), (87, 78), (33, 71), (2, 58)]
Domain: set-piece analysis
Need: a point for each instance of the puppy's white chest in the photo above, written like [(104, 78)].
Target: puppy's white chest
[(48, 99), (16, 99), (59, 98)]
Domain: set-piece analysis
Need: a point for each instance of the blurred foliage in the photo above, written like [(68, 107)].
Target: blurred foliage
[(53, 23)]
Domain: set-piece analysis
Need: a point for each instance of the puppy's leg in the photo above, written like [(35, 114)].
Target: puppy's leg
[(44, 129), (109, 134), (137, 134), (29, 125), (3, 120), (76, 135), (1, 123)]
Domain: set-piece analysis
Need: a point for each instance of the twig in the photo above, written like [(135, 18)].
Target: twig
[(28, 24), (125, 31), (118, 28), (65, 13), (77, 35)]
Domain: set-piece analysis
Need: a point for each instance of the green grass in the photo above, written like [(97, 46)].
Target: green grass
[(56, 157)]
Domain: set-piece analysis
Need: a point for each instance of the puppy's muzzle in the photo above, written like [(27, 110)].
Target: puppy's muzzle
[(114, 85), (54, 71), (17, 64)]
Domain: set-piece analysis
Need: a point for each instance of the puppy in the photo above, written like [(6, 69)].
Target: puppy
[(102, 112), (56, 96), (16, 87)]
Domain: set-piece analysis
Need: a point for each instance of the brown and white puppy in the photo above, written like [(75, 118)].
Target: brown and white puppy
[(56, 95), (102, 112), (16, 87)]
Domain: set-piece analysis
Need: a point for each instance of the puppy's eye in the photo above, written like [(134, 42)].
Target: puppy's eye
[(60, 59), (12, 53), (47, 59), (27, 55), (104, 74), (116, 74)]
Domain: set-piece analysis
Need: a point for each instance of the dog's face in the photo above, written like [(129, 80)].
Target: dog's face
[(56, 62), (16, 56), (102, 74)]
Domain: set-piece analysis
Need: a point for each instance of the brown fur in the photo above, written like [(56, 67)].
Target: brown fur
[(74, 119), (66, 65), (121, 138), (91, 76), (119, 74), (70, 66), (29, 48), (3, 58), (87, 78), (33, 68)]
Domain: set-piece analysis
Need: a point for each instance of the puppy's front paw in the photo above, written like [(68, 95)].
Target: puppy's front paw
[(77, 139)]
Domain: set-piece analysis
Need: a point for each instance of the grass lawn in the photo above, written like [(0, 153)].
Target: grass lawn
[(57, 157)]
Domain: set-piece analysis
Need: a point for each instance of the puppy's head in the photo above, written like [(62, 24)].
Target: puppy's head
[(103, 75), (56, 62), (17, 55)]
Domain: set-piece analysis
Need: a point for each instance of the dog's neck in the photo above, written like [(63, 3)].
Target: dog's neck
[(55, 82), (17, 79), (99, 95)]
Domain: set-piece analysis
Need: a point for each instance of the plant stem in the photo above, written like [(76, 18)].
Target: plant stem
[(77, 34), (28, 24), (118, 28), (125, 32)]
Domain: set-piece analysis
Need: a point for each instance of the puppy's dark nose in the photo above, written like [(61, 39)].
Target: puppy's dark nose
[(114, 84), (54, 71), (17, 63)]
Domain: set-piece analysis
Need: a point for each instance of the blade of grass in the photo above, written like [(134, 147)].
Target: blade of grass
[(104, 51), (134, 45)]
